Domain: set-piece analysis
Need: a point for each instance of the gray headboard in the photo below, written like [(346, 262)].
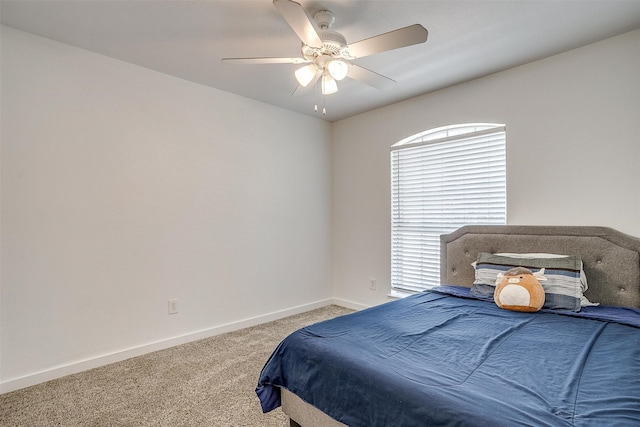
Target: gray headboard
[(611, 258)]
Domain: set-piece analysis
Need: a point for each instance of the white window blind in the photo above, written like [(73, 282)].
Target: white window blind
[(441, 180)]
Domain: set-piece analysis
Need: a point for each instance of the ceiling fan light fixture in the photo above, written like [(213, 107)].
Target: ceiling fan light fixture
[(305, 74), (338, 69), (329, 85)]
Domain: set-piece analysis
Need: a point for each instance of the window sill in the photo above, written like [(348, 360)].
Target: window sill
[(396, 294)]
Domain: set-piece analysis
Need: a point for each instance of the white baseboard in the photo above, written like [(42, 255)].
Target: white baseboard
[(117, 356), (349, 304)]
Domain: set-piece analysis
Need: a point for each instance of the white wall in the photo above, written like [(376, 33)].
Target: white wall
[(573, 153), (123, 188)]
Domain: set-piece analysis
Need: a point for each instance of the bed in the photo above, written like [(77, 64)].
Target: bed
[(451, 357)]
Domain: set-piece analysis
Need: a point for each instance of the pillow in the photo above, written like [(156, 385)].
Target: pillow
[(563, 288), (583, 276), (584, 301)]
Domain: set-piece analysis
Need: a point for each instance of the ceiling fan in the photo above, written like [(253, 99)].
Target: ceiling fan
[(326, 56)]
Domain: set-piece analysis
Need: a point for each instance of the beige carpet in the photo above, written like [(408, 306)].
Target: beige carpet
[(210, 382)]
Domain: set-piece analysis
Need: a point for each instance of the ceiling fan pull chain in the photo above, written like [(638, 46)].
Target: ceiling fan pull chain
[(315, 106), (315, 94)]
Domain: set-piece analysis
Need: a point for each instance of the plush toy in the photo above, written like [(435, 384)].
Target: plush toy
[(519, 289)]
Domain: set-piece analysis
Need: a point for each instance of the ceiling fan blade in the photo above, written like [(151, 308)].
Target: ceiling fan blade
[(369, 77), (299, 21), (264, 60), (401, 37)]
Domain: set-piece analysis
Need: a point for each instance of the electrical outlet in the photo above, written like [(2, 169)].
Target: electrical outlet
[(372, 284), (173, 306)]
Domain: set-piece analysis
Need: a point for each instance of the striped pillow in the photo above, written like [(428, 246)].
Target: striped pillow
[(563, 287)]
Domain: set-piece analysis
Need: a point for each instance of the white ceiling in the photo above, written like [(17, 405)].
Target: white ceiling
[(187, 39)]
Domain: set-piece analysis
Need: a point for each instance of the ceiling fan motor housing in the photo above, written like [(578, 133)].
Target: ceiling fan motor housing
[(332, 44), (332, 41)]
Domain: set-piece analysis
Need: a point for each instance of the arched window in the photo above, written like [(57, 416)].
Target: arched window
[(442, 179)]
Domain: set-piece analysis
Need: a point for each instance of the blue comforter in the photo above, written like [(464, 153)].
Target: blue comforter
[(442, 358)]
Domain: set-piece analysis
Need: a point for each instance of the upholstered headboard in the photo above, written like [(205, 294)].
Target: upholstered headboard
[(611, 258)]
